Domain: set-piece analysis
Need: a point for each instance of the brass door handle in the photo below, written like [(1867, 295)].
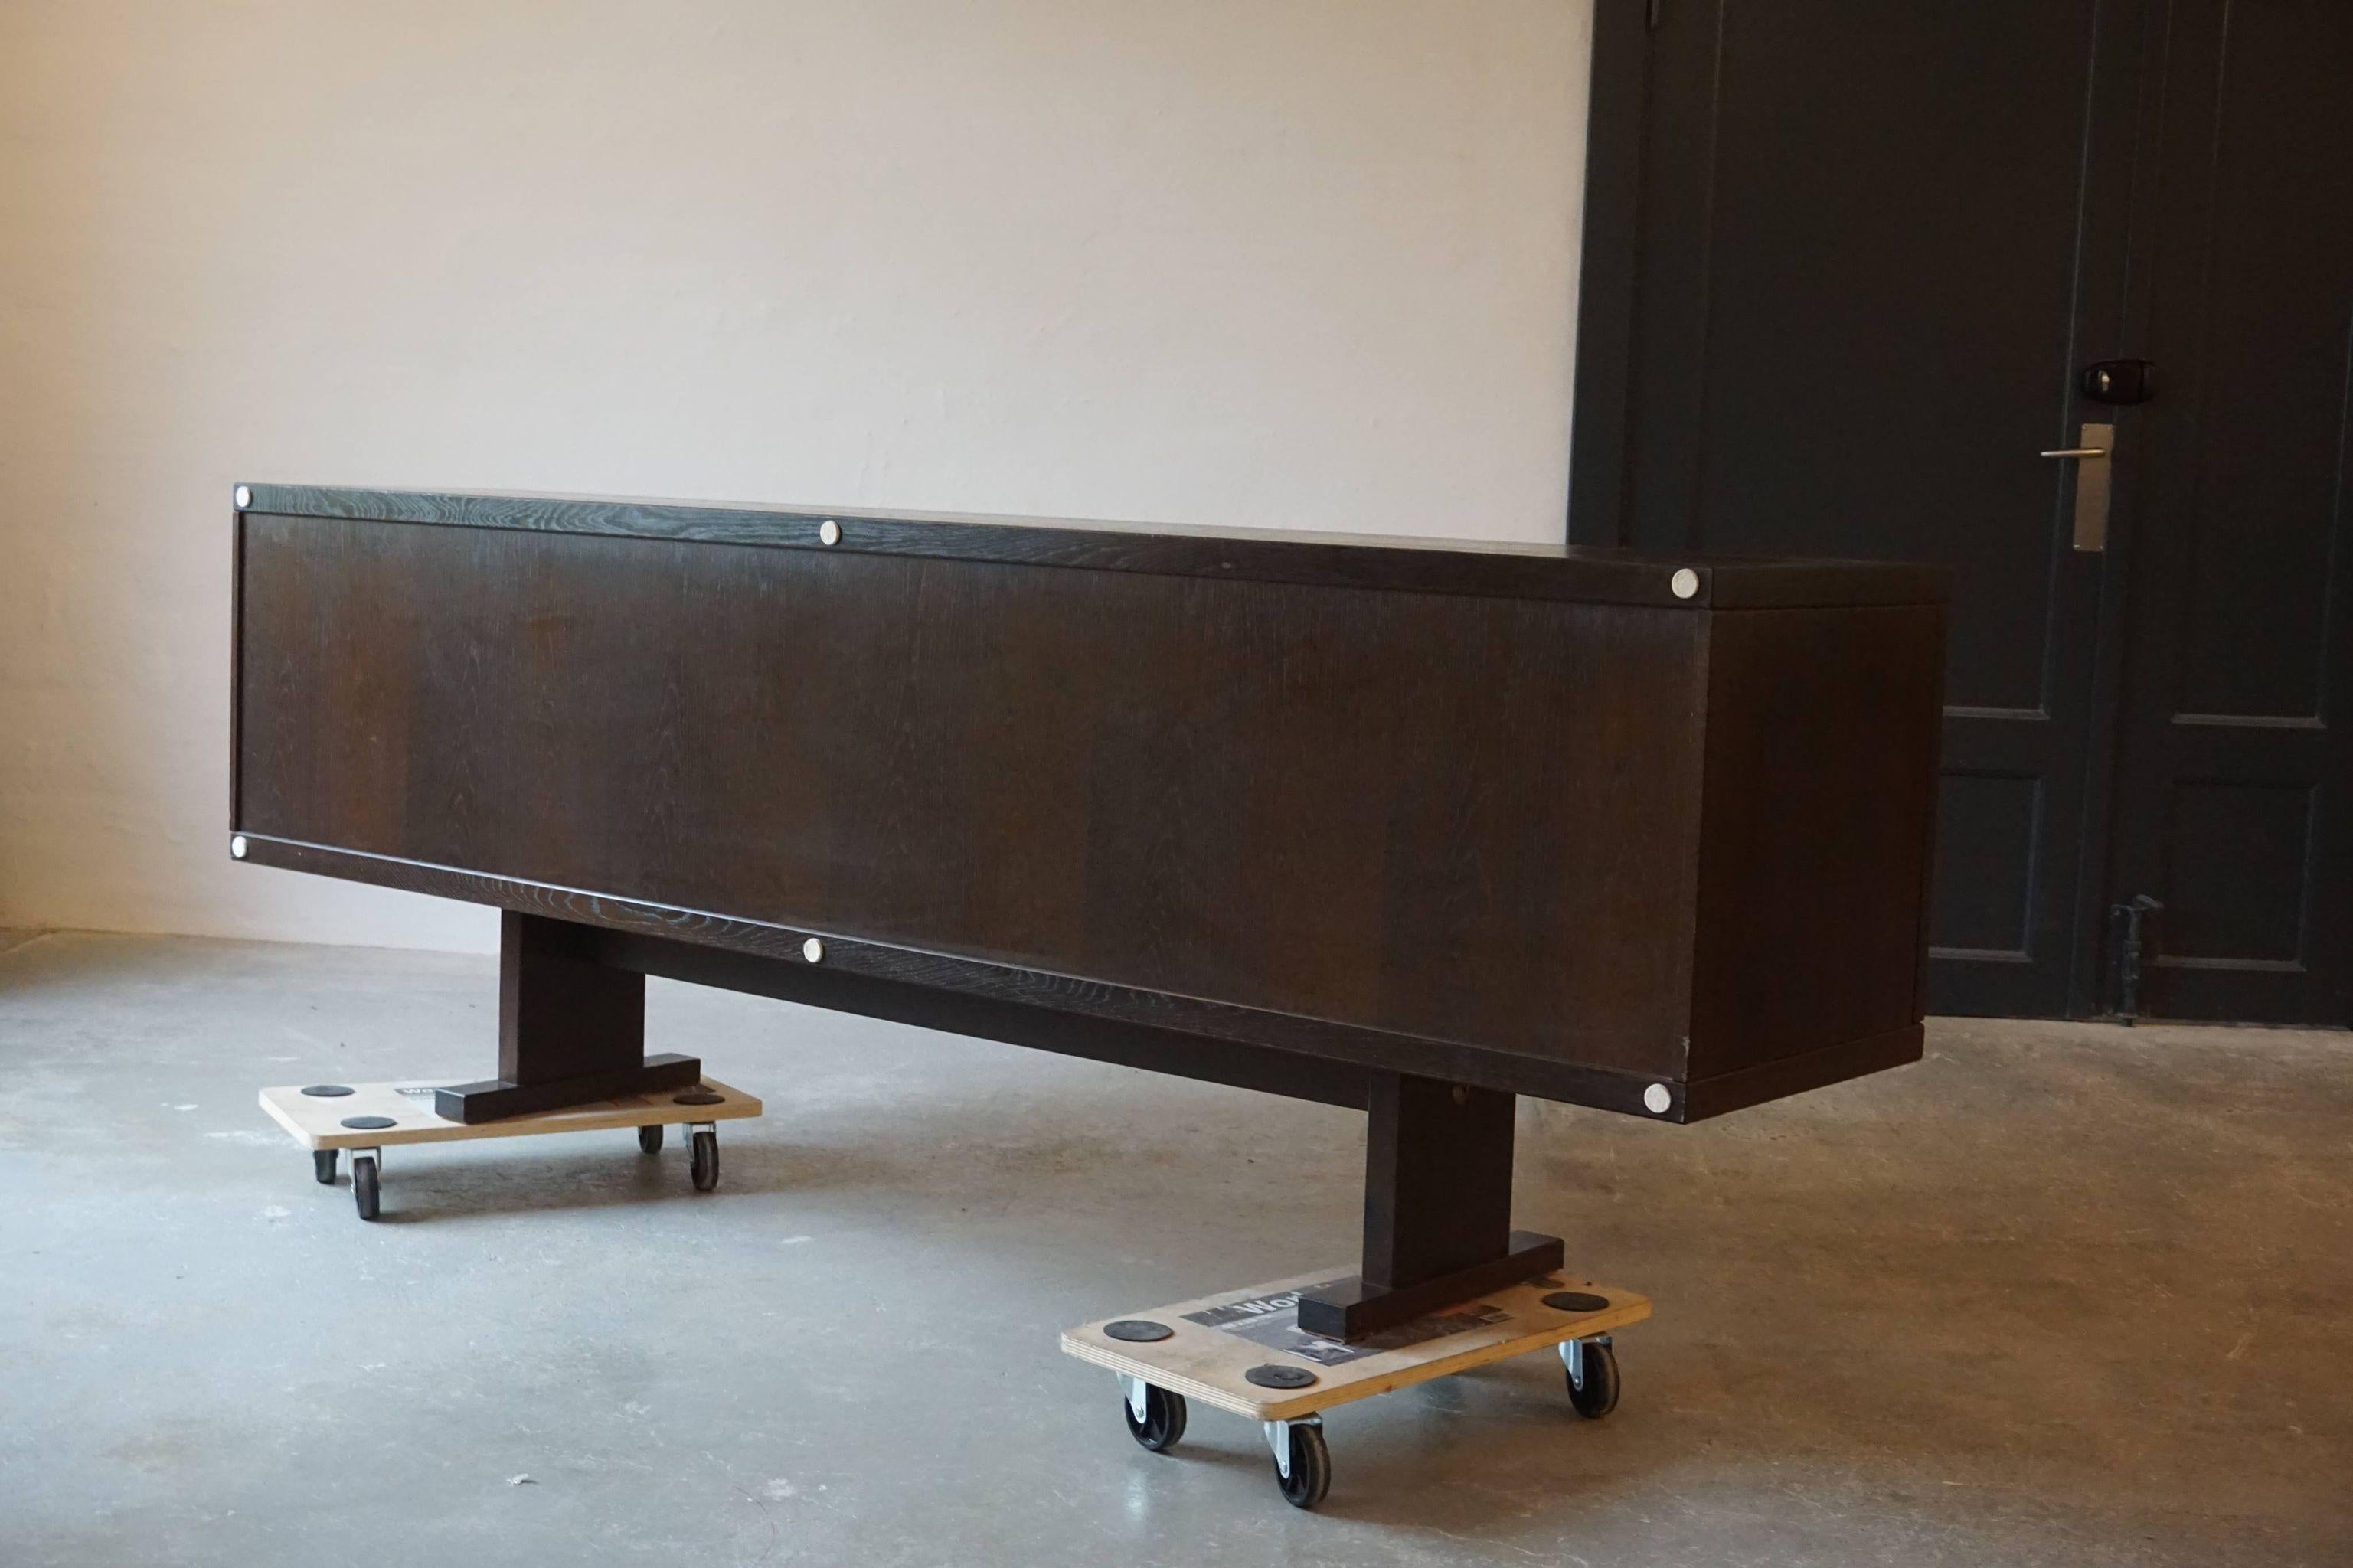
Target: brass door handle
[(2091, 484)]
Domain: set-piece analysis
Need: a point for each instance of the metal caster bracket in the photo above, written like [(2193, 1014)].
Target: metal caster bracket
[(1278, 1438), (1572, 1356)]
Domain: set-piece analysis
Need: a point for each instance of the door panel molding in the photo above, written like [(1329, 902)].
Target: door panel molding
[(2233, 763)]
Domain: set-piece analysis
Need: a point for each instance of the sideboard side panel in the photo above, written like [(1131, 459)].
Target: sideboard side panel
[(1820, 801)]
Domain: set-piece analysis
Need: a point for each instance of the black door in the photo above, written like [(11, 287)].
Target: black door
[(1839, 258), (2233, 785), (1844, 264)]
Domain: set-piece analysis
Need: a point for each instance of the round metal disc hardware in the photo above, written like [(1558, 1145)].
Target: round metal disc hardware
[(1657, 1098), (1685, 581), (367, 1123), (243, 496), (813, 950), (1269, 1375), (1137, 1330), (327, 1091), (828, 532), (237, 847), (698, 1097), (1576, 1302)]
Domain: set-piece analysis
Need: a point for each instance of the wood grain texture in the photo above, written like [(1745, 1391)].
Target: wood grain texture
[(1369, 808), (1495, 567), (1438, 1180), (1192, 1036), (1355, 1310), (1445, 833), (1818, 812), (496, 1098), (561, 1013)]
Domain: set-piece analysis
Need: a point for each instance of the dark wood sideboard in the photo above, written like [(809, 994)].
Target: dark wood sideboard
[(1394, 823)]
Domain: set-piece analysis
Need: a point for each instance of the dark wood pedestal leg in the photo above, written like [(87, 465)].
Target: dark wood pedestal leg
[(1438, 1210), (570, 1029)]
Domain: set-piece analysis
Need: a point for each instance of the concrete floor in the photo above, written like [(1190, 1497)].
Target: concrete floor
[(2058, 1295)]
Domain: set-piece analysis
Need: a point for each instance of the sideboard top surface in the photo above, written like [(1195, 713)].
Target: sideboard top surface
[(1499, 569)]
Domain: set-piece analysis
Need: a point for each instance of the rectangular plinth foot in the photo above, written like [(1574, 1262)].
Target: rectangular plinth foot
[(495, 1098), (1354, 1309)]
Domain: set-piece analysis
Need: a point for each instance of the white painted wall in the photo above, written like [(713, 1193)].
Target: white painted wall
[(1273, 262)]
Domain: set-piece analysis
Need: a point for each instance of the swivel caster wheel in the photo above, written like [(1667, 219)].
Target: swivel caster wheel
[(1302, 1464), (364, 1184), (1156, 1417), (1592, 1374), (703, 1158), (650, 1139), (323, 1165)]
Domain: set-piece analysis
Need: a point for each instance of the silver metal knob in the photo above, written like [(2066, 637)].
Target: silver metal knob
[(813, 950), (242, 496), (237, 847), (828, 532), (1656, 1099), (1686, 583)]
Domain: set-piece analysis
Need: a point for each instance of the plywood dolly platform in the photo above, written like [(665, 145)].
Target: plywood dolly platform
[(1245, 1353), (367, 1118)]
